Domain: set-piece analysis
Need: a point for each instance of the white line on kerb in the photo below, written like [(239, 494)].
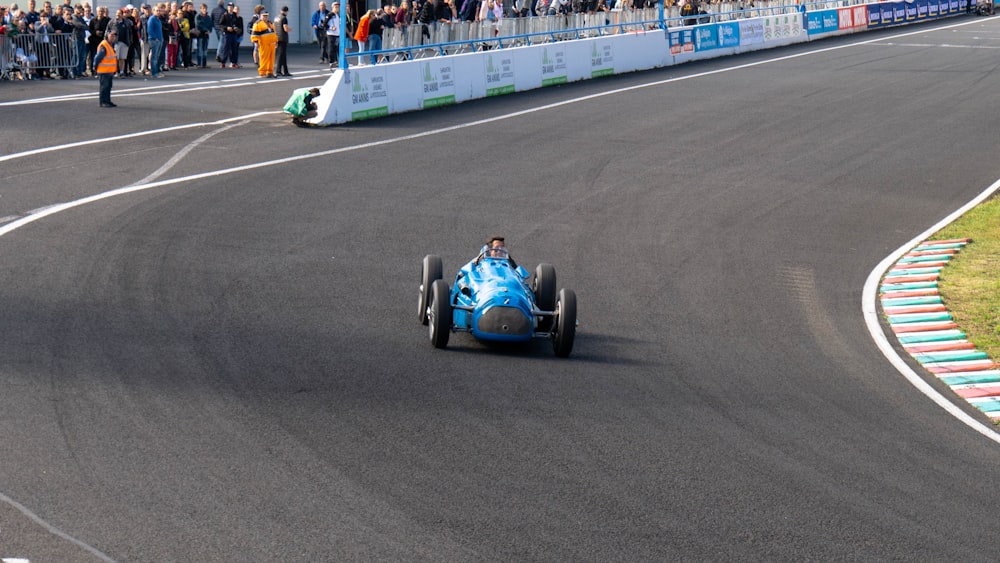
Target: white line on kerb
[(868, 299)]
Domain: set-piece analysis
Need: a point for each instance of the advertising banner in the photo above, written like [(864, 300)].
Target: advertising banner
[(681, 41), (499, 73), (850, 18), (554, 70), (881, 15), (369, 95), (751, 32), (602, 59), (899, 12), (438, 78), (783, 27), (921, 9), (821, 21), (729, 35), (714, 36), (706, 37), (886, 14)]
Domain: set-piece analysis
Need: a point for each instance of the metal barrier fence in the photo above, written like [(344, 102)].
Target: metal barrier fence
[(27, 54), (416, 40)]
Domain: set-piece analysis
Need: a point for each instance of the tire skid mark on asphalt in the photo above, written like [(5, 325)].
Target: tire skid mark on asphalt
[(908, 289), (187, 149), (800, 283), (927, 331)]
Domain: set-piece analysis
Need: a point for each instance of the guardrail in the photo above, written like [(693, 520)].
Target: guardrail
[(27, 55), (417, 40)]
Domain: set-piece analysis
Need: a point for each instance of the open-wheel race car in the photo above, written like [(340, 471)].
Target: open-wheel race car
[(496, 300)]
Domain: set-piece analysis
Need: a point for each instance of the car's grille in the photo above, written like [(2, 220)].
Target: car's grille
[(505, 320)]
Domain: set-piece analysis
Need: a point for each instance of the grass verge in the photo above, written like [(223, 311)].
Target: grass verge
[(970, 284)]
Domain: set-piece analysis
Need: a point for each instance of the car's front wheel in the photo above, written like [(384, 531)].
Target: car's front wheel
[(565, 323), (431, 270), (440, 314), (545, 293)]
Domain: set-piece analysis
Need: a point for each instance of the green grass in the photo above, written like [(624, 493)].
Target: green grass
[(970, 284)]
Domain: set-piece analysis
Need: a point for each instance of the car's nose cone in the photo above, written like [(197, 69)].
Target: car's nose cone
[(504, 320)]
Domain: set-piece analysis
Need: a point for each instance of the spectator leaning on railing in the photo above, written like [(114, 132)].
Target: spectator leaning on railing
[(63, 24), (79, 40), (403, 16), (43, 46)]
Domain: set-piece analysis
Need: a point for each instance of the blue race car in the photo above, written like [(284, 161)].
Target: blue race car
[(492, 299)]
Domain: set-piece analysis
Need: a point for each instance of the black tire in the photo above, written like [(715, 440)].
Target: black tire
[(440, 317), (545, 293), (565, 323), (431, 270)]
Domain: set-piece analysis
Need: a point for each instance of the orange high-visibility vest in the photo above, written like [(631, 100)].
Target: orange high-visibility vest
[(109, 64)]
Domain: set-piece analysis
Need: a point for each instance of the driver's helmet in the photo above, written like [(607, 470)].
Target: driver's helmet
[(494, 251)]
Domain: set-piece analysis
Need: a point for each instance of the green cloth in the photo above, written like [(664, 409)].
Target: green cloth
[(297, 105)]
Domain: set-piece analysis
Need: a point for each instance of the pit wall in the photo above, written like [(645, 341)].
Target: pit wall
[(365, 92)]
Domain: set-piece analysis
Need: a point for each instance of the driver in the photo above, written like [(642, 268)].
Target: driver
[(495, 248)]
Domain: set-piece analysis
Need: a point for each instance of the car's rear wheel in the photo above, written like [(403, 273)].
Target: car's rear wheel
[(431, 270), (440, 314), (545, 293), (565, 323)]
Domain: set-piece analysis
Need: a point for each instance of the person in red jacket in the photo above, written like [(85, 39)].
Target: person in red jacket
[(361, 34)]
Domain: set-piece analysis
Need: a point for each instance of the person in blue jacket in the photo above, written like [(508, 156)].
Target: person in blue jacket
[(154, 32)]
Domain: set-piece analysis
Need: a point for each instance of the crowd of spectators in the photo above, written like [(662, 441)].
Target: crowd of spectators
[(366, 33), (450, 11), (178, 38), (61, 41)]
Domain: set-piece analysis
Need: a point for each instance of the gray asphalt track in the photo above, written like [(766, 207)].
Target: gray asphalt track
[(229, 368)]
